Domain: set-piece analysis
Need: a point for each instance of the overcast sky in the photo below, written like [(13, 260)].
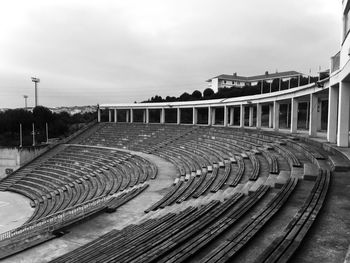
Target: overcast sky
[(89, 52)]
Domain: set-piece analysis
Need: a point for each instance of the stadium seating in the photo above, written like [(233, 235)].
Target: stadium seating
[(230, 184)]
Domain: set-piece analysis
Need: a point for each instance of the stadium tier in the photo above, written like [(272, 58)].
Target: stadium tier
[(233, 191)]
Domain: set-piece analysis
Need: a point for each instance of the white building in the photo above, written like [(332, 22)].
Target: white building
[(339, 85), (228, 81)]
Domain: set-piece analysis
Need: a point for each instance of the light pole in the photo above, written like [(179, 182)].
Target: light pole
[(36, 81), (25, 101)]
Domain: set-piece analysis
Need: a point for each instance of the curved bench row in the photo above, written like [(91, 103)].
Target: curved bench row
[(78, 174), (45, 228)]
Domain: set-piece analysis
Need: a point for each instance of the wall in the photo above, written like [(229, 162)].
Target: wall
[(344, 53), (215, 84), (14, 157), (9, 158)]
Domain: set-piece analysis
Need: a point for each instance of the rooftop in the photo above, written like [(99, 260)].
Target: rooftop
[(267, 75)]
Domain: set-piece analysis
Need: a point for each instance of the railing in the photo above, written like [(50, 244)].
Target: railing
[(57, 220), (335, 62)]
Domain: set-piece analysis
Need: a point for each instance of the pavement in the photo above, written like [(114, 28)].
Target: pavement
[(15, 210)]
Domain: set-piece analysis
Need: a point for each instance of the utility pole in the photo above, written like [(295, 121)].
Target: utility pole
[(20, 135), (36, 81), (33, 132), (47, 133), (25, 101)]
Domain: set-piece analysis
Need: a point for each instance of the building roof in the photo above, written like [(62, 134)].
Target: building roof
[(235, 77)]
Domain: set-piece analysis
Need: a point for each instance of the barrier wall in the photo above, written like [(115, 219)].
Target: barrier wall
[(14, 157)]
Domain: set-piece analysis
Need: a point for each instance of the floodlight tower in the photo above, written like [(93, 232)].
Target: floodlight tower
[(25, 101), (36, 81)]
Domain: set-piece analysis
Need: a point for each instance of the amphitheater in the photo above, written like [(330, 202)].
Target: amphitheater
[(250, 179), (163, 192)]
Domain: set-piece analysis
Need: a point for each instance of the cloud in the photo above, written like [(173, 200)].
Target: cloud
[(89, 52)]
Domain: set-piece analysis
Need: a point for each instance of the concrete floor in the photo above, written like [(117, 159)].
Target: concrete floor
[(15, 210), (328, 239), (130, 213)]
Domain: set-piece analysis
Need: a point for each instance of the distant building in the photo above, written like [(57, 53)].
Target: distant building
[(228, 81)]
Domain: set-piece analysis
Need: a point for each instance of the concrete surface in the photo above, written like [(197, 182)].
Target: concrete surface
[(15, 210)]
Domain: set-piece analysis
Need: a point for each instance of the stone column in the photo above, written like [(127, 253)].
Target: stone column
[(276, 115), (213, 116), (332, 114), (270, 115), (313, 115), (232, 113), (294, 116), (131, 115), (162, 115), (279, 84), (343, 114), (209, 116), (115, 116), (109, 115), (127, 116), (147, 115), (307, 114), (258, 115), (178, 120), (319, 115), (251, 115), (287, 119), (194, 115), (225, 115), (241, 118)]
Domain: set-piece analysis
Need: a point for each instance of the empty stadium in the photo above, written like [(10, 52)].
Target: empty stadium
[(225, 180)]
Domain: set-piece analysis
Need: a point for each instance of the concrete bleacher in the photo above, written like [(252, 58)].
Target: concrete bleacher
[(231, 185)]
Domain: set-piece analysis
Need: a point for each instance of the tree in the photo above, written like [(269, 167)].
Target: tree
[(42, 115), (185, 97), (197, 94), (170, 99), (208, 92)]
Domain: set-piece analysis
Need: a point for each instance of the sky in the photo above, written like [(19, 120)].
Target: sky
[(114, 51)]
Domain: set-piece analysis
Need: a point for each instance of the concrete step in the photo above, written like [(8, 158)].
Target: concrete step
[(339, 163), (260, 181), (310, 172), (282, 178), (271, 180), (297, 172)]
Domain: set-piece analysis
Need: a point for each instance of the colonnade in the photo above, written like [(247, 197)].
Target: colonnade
[(254, 118)]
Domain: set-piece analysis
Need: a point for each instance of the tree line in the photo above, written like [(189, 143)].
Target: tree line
[(234, 91), (59, 125)]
